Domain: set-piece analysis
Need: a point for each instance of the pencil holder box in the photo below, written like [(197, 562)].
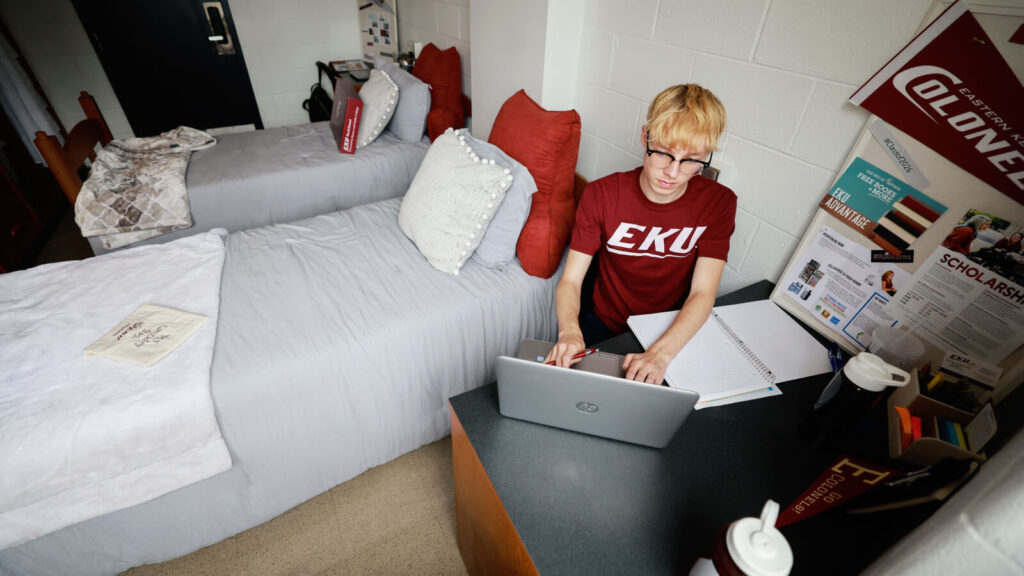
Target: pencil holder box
[(930, 447)]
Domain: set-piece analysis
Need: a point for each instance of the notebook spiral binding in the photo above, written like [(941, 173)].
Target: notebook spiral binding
[(759, 366)]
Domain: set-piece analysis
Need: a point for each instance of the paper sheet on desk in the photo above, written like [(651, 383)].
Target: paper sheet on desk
[(752, 347)]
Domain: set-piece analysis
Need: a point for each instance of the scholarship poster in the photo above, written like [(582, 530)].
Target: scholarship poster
[(835, 280), (881, 207), (951, 89), (968, 296)]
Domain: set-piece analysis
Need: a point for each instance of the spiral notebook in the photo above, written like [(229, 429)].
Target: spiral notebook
[(741, 353)]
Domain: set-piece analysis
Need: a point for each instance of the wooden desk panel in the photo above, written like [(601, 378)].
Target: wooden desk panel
[(488, 541)]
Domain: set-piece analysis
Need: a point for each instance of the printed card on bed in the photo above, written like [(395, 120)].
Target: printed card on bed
[(345, 115), (146, 335)]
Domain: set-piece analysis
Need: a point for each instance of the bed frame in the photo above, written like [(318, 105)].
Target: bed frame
[(66, 160)]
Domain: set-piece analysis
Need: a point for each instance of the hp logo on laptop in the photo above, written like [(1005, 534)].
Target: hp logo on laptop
[(587, 407)]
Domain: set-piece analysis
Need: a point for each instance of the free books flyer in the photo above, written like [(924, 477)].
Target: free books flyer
[(881, 207)]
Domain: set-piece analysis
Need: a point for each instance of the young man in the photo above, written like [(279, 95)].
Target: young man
[(662, 234)]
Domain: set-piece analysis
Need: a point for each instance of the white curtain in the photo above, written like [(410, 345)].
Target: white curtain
[(22, 103)]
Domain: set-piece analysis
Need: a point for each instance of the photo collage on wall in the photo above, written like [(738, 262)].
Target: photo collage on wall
[(379, 30)]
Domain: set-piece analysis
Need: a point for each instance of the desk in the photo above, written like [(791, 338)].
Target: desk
[(532, 499)]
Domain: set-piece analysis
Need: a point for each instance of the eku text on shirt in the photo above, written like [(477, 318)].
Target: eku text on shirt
[(680, 241)]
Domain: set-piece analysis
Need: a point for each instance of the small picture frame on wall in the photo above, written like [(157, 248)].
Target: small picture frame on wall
[(341, 66), (378, 29)]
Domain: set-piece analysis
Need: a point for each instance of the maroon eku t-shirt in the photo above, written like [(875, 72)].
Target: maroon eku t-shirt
[(648, 250)]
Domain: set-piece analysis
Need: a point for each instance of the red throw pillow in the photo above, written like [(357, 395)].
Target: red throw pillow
[(442, 70), (547, 143)]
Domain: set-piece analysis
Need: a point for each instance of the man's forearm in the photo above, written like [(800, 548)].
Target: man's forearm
[(688, 321), (567, 307)]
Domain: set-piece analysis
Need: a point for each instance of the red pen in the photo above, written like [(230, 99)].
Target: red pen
[(586, 352)]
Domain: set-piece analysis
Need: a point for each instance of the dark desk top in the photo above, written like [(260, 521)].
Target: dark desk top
[(587, 505)]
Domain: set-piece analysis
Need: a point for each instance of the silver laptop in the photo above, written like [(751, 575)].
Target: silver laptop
[(591, 397)]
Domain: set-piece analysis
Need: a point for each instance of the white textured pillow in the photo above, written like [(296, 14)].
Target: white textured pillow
[(451, 201), (379, 96)]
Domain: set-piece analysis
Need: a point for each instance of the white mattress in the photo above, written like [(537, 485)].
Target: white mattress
[(337, 349)]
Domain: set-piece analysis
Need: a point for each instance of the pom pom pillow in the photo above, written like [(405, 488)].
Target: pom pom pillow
[(379, 95), (547, 143), (451, 202)]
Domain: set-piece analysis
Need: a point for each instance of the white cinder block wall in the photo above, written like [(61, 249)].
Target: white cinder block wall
[(282, 40), (445, 23), (783, 69), (55, 45)]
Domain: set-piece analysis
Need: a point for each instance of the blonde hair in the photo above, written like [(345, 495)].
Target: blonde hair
[(685, 116)]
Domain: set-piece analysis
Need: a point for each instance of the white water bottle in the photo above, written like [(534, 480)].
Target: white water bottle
[(749, 547)]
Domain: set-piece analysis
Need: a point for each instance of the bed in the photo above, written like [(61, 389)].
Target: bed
[(282, 174), (340, 337), (288, 173), (337, 347)]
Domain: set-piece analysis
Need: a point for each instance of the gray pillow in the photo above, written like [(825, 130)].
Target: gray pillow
[(410, 119), (498, 248), (451, 202)]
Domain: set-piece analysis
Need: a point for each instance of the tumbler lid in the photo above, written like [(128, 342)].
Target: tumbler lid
[(756, 545), (872, 373)]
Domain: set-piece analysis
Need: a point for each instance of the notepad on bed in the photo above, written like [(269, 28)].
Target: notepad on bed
[(741, 353), (146, 335)]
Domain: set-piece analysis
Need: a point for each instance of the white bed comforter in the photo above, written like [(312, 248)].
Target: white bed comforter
[(81, 437)]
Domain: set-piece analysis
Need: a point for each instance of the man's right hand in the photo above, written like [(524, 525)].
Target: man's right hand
[(569, 344)]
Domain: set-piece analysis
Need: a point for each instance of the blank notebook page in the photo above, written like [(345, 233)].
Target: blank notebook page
[(741, 348), (777, 339)]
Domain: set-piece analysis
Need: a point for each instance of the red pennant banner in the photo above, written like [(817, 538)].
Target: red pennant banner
[(1018, 36), (845, 479), (951, 89)]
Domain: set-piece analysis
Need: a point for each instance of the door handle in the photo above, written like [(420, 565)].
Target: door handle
[(218, 32)]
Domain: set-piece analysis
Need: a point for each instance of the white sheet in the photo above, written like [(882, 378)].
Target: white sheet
[(81, 437)]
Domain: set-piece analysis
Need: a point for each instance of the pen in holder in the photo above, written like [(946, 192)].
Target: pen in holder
[(848, 399)]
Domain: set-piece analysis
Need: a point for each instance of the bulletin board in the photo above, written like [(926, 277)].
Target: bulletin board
[(877, 245), (378, 29)]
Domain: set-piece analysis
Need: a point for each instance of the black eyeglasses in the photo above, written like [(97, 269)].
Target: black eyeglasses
[(661, 160)]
